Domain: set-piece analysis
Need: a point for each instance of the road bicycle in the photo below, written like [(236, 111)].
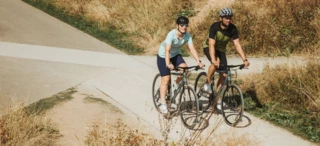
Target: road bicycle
[(187, 104), (229, 94)]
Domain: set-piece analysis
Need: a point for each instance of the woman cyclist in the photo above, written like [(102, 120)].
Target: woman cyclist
[(169, 56)]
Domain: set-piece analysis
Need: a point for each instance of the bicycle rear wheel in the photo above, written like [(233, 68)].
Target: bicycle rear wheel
[(232, 105), (205, 99), (189, 107)]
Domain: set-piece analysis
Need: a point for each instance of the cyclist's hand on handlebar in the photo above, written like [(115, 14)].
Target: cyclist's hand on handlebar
[(201, 65), (246, 63), (170, 66)]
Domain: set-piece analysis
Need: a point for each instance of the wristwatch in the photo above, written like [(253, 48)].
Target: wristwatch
[(199, 61), (245, 60)]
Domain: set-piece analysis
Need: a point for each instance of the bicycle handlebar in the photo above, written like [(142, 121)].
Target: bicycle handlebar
[(186, 68), (241, 66)]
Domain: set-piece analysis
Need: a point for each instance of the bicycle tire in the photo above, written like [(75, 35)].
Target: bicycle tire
[(189, 107), (232, 105), (205, 99), (156, 92)]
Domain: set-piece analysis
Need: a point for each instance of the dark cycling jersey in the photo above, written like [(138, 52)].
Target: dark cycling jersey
[(222, 37)]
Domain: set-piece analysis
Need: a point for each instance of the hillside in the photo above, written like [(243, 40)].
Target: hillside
[(288, 27)]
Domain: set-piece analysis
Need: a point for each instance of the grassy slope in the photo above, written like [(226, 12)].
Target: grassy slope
[(106, 34)]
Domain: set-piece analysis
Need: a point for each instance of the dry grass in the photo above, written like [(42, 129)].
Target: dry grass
[(19, 128), (288, 27), (118, 135), (278, 27), (122, 134), (290, 97), (148, 20), (291, 86)]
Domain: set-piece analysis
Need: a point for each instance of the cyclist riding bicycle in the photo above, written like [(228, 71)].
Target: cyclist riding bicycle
[(214, 47), (169, 56)]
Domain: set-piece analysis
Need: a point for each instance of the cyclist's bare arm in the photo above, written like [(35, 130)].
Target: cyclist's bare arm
[(167, 56), (239, 49), (195, 54), (212, 52)]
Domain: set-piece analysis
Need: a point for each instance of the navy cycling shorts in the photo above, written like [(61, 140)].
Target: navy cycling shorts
[(222, 56), (164, 71)]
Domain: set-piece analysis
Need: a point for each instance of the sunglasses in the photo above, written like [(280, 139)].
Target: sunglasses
[(184, 25), (228, 18)]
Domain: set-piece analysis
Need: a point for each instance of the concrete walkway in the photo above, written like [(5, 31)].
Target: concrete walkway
[(22, 23)]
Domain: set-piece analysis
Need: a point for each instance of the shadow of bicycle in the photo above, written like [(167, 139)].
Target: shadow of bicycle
[(190, 116), (241, 122), (199, 123)]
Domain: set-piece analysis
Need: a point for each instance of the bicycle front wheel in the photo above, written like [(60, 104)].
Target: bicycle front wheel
[(205, 99), (232, 105), (189, 107), (156, 91)]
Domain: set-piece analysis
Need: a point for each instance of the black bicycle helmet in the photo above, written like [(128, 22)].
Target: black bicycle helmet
[(182, 20), (225, 12)]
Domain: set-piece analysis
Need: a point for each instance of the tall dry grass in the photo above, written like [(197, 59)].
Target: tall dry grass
[(278, 27), (146, 21), (266, 27), (20, 128), (291, 87), (290, 96)]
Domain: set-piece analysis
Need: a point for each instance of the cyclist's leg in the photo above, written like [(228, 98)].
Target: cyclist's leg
[(211, 68), (165, 78), (222, 69), (178, 61), (222, 78), (163, 88)]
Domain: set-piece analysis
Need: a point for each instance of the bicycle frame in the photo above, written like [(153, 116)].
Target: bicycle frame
[(184, 83), (232, 106), (226, 82)]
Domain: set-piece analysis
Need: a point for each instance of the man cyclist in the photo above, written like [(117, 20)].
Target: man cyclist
[(169, 55), (220, 34)]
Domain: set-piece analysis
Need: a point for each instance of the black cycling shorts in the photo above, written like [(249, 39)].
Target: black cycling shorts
[(221, 55), (164, 71)]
